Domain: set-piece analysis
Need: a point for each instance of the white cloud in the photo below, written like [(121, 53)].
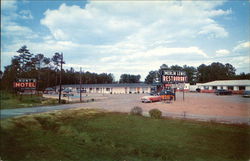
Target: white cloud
[(243, 46), (213, 30), (109, 22), (127, 36), (8, 5), (220, 12), (222, 52), (132, 34), (25, 14)]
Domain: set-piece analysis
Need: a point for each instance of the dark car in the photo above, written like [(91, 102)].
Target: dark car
[(246, 94), (223, 92), (198, 90)]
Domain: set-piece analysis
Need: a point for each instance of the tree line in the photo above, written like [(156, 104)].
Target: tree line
[(46, 71), (201, 74)]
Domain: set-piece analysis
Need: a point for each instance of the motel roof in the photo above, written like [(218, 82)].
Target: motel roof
[(227, 83), (107, 85)]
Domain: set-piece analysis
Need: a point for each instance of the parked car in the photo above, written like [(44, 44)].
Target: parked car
[(145, 99), (198, 90), (67, 92), (49, 90), (82, 91), (167, 95), (223, 92), (246, 94)]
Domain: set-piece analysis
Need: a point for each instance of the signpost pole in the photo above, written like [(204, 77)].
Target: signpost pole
[(60, 87), (80, 84), (183, 90)]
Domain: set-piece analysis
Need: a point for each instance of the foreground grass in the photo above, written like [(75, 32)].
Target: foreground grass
[(90, 135), (9, 100)]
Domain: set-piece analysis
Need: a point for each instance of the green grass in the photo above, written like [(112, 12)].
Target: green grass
[(90, 135), (9, 100)]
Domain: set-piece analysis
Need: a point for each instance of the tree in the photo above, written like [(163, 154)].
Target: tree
[(230, 70), (56, 59), (176, 67), (191, 73), (127, 78), (215, 71), (242, 76), (152, 75), (24, 59)]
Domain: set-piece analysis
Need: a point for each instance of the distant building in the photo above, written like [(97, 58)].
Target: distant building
[(122, 88), (236, 86)]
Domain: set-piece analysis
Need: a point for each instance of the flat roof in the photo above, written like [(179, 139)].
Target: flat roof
[(107, 85), (227, 83)]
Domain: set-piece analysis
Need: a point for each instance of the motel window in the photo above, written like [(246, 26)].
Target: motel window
[(107, 89), (230, 87), (242, 87), (215, 87), (206, 87)]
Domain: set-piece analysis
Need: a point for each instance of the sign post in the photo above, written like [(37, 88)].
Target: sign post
[(80, 84), (60, 85)]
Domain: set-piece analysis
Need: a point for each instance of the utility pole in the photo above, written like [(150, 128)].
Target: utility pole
[(80, 84), (60, 87), (183, 90)]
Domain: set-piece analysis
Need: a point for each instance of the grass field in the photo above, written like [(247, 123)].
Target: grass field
[(91, 135), (9, 100)]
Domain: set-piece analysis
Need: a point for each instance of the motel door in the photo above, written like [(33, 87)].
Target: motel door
[(138, 89)]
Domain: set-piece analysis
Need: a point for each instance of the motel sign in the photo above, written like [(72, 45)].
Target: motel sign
[(23, 83)]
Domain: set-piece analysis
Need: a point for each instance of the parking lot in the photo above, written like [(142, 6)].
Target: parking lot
[(198, 106), (202, 106)]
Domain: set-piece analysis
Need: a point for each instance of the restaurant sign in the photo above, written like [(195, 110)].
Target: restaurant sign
[(173, 77), (24, 83)]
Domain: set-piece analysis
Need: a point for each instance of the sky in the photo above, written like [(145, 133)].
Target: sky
[(131, 37)]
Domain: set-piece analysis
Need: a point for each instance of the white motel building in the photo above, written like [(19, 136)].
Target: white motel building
[(122, 88), (236, 86)]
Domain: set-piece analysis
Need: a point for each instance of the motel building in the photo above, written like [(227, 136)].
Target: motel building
[(236, 86), (122, 88)]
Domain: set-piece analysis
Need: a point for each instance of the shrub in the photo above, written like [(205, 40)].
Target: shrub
[(50, 101), (155, 113), (136, 111), (63, 101)]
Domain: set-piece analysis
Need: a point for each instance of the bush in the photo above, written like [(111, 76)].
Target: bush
[(50, 101), (63, 101), (136, 111), (155, 113)]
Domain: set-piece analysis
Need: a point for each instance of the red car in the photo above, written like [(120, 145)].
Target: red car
[(150, 99)]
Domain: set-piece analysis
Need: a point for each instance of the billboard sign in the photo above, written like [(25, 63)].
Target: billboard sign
[(23, 83), (173, 77)]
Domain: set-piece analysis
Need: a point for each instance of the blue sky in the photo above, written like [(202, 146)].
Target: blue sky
[(129, 36)]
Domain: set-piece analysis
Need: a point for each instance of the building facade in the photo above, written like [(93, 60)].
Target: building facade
[(123, 88), (236, 86)]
